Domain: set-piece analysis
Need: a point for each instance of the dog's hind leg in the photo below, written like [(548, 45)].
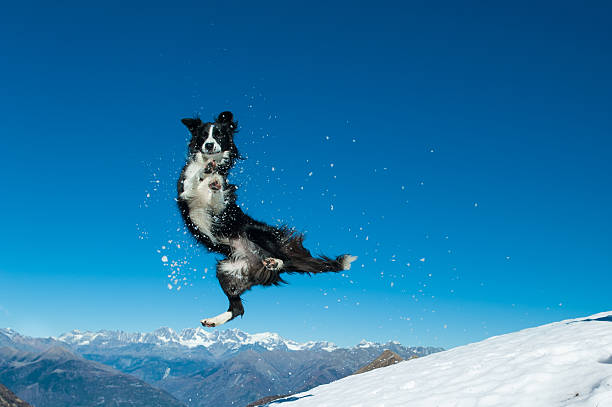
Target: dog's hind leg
[(235, 309), (232, 274)]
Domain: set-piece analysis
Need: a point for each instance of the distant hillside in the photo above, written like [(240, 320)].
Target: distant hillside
[(8, 399), (59, 378)]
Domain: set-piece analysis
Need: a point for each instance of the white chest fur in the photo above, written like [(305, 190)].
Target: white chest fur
[(204, 203)]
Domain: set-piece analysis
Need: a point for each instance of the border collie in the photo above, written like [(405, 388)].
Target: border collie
[(256, 253)]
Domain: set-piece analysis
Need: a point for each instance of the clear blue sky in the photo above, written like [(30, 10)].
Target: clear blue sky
[(473, 136)]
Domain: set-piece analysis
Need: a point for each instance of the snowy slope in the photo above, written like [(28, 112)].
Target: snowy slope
[(566, 363)]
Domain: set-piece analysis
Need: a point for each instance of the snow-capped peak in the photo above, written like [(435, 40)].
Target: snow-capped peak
[(365, 344), (229, 339), (8, 332), (165, 334)]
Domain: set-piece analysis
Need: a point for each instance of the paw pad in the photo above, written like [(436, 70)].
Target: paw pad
[(271, 263)]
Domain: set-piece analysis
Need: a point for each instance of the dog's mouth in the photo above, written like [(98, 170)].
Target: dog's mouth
[(215, 185)]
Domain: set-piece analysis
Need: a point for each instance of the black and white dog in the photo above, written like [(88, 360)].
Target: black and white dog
[(256, 253)]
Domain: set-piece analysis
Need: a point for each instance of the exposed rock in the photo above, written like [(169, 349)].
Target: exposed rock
[(387, 358), (266, 400), (8, 399)]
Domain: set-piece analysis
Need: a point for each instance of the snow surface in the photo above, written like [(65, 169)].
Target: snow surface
[(567, 363)]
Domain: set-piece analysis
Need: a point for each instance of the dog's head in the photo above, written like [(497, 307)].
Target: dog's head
[(213, 137)]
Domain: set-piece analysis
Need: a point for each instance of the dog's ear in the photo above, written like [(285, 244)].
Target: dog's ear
[(192, 124), (226, 121), (225, 117)]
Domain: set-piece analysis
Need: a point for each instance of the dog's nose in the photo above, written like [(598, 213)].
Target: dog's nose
[(208, 146)]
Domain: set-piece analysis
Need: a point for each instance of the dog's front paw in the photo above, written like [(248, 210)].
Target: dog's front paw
[(215, 185), (224, 162), (199, 158), (271, 263), (210, 167)]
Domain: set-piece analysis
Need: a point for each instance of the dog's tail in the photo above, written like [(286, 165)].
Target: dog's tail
[(299, 259)]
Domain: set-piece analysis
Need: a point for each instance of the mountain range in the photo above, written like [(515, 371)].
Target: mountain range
[(195, 366)]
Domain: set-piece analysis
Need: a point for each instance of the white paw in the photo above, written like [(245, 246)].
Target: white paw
[(347, 260), (199, 158), (271, 263), (210, 166), (218, 320), (209, 323)]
